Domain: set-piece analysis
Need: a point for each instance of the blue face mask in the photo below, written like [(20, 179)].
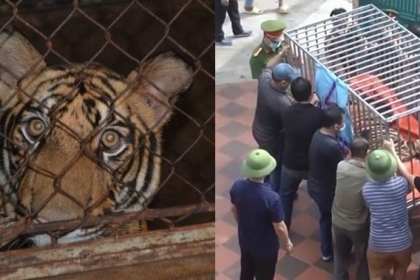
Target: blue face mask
[(274, 44)]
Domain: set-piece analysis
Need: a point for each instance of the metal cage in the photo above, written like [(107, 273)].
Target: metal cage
[(377, 60), (170, 232)]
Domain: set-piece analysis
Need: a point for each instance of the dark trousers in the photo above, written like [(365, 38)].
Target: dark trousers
[(257, 268), (289, 185), (275, 177), (324, 203), (233, 12), (344, 240)]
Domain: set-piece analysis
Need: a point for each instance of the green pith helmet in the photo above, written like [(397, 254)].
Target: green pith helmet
[(272, 25), (259, 163), (381, 165), (390, 12)]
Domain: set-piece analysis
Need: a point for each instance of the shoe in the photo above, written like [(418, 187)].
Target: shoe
[(326, 258), (283, 9), (225, 43), (253, 11), (245, 33)]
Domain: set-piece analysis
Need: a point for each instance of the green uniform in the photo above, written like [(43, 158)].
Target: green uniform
[(259, 58), (263, 53)]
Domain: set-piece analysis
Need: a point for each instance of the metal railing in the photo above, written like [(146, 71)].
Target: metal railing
[(378, 60)]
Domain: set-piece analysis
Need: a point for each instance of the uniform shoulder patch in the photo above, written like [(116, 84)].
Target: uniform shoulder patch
[(257, 51)]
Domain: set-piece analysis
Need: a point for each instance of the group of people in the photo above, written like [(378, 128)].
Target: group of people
[(361, 196), (231, 7)]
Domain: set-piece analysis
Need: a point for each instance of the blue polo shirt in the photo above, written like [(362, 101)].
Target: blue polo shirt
[(258, 207)]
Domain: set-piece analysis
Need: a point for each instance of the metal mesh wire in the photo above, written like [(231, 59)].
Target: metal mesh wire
[(378, 60), (121, 35)]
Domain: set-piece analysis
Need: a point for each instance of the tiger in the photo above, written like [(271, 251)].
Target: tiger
[(376, 131), (81, 139)]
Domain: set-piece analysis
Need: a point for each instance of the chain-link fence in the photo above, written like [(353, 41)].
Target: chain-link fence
[(106, 124)]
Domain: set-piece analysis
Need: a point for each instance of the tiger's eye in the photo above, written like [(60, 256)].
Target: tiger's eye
[(111, 139), (36, 127)]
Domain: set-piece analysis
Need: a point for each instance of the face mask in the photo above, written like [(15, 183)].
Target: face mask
[(274, 44), (339, 129)]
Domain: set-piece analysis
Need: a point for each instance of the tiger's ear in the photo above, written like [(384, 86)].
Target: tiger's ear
[(162, 79), (17, 56)]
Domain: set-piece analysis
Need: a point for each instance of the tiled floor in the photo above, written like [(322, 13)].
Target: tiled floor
[(235, 111)]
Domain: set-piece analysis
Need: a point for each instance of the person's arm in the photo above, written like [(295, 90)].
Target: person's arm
[(401, 168), (278, 58), (282, 232), (277, 218), (256, 65), (336, 154), (232, 203), (234, 212)]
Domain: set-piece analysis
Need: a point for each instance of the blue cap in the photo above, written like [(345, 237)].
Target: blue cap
[(284, 71)]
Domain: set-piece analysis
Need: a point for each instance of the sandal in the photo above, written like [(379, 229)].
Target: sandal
[(283, 9), (254, 11)]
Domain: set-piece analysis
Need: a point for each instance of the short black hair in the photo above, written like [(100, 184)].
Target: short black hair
[(414, 28), (359, 147), (337, 11), (332, 115), (301, 89)]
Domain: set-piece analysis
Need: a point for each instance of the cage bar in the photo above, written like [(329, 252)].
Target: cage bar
[(378, 61)]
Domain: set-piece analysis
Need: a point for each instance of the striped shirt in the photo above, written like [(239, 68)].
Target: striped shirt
[(389, 228), (267, 127)]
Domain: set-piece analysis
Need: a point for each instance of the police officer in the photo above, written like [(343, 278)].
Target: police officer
[(269, 47)]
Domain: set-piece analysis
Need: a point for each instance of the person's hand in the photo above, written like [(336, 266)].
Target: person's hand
[(297, 61), (314, 100), (225, 2), (389, 145), (285, 50), (289, 247)]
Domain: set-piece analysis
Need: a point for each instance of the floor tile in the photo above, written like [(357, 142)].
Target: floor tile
[(304, 223), (249, 99), (326, 266), (304, 201), (278, 277), (234, 271), (295, 237), (225, 232), (307, 251), (221, 140), (233, 129), (231, 110), (224, 183), (230, 91), (222, 160), (222, 206), (221, 101), (232, 170), (312, 273), (229, 219), (222, 276), (220, 121), (235, 149), (232, 243), (225, 258), (290, 267)]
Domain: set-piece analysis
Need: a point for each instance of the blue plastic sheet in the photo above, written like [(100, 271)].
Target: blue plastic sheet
[(330, 89)]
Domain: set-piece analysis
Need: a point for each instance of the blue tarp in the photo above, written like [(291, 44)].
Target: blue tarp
[(330, 89)]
